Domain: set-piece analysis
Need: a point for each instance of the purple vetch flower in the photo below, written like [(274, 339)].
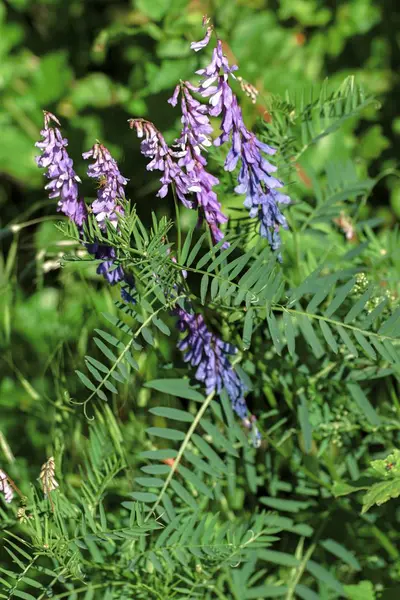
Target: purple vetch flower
[(166, 160), (196, 46), (210, 355), (5, 487), (195, 137), (255, 178), (112, 272), (63, 179), (64, 185), (111, 184), (110, 190), (204, 350)]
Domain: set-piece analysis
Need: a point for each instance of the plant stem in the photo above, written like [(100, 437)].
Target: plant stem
[(181, 451), (178, 222)]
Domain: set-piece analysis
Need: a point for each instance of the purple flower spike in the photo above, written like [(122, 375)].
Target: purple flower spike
[(254, 179), (110, 190), (63, 179), (204, 350), (166, 160), (195, 137), (111, 184), (210, 355)]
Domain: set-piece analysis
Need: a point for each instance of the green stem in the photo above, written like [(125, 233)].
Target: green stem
[(181, 451), (178, 222)]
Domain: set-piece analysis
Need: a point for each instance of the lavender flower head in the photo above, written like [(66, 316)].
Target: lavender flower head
[(63, 179), (111, 184), (64, 185), (195, 138), (255, 178), (210, 355), (164, 159), (110, 190), (5, 487)]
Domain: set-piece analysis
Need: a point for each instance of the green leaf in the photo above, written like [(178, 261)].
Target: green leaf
[(306, 427), (339, 298), (161, 326), (360, 591), (167, 434), (284, 504), (172, 413), (279, 558), (380, 493), (310, 335), (289, 332), (203, 288), (175, 387), (274, 331), (359, 305), (195, 250), (105, 350), (86, 382), (186, 246), (364, 404), (324, 575), (347, 340), (248, 328), (341, 552), (365, 345), (144, 497), (328, 335)]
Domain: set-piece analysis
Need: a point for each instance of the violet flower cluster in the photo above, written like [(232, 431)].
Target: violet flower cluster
[(195, 137), (165, 159), (110, 189), (60, 171), (210, 355), (64, 185), (111, 184), (263, 197)]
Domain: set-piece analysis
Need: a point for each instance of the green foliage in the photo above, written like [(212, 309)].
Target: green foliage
[(161, 493)]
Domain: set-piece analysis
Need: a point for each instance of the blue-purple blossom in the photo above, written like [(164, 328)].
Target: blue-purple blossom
[(63, 179), (196, 46), (111, 184), (64, 185), (195, 138), (108, 268), (254, 180), (210, 355), (165, 159)]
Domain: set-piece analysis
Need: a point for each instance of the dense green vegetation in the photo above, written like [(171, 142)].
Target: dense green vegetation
[(157, 489)]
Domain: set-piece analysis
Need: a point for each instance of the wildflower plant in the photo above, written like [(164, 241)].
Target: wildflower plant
[(265, 308)]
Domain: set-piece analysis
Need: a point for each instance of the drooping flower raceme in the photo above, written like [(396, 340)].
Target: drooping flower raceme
[(111, 184), (210, 355), (63, 179), (165, 159), (263, 198), (195, 138), (64, 185)]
